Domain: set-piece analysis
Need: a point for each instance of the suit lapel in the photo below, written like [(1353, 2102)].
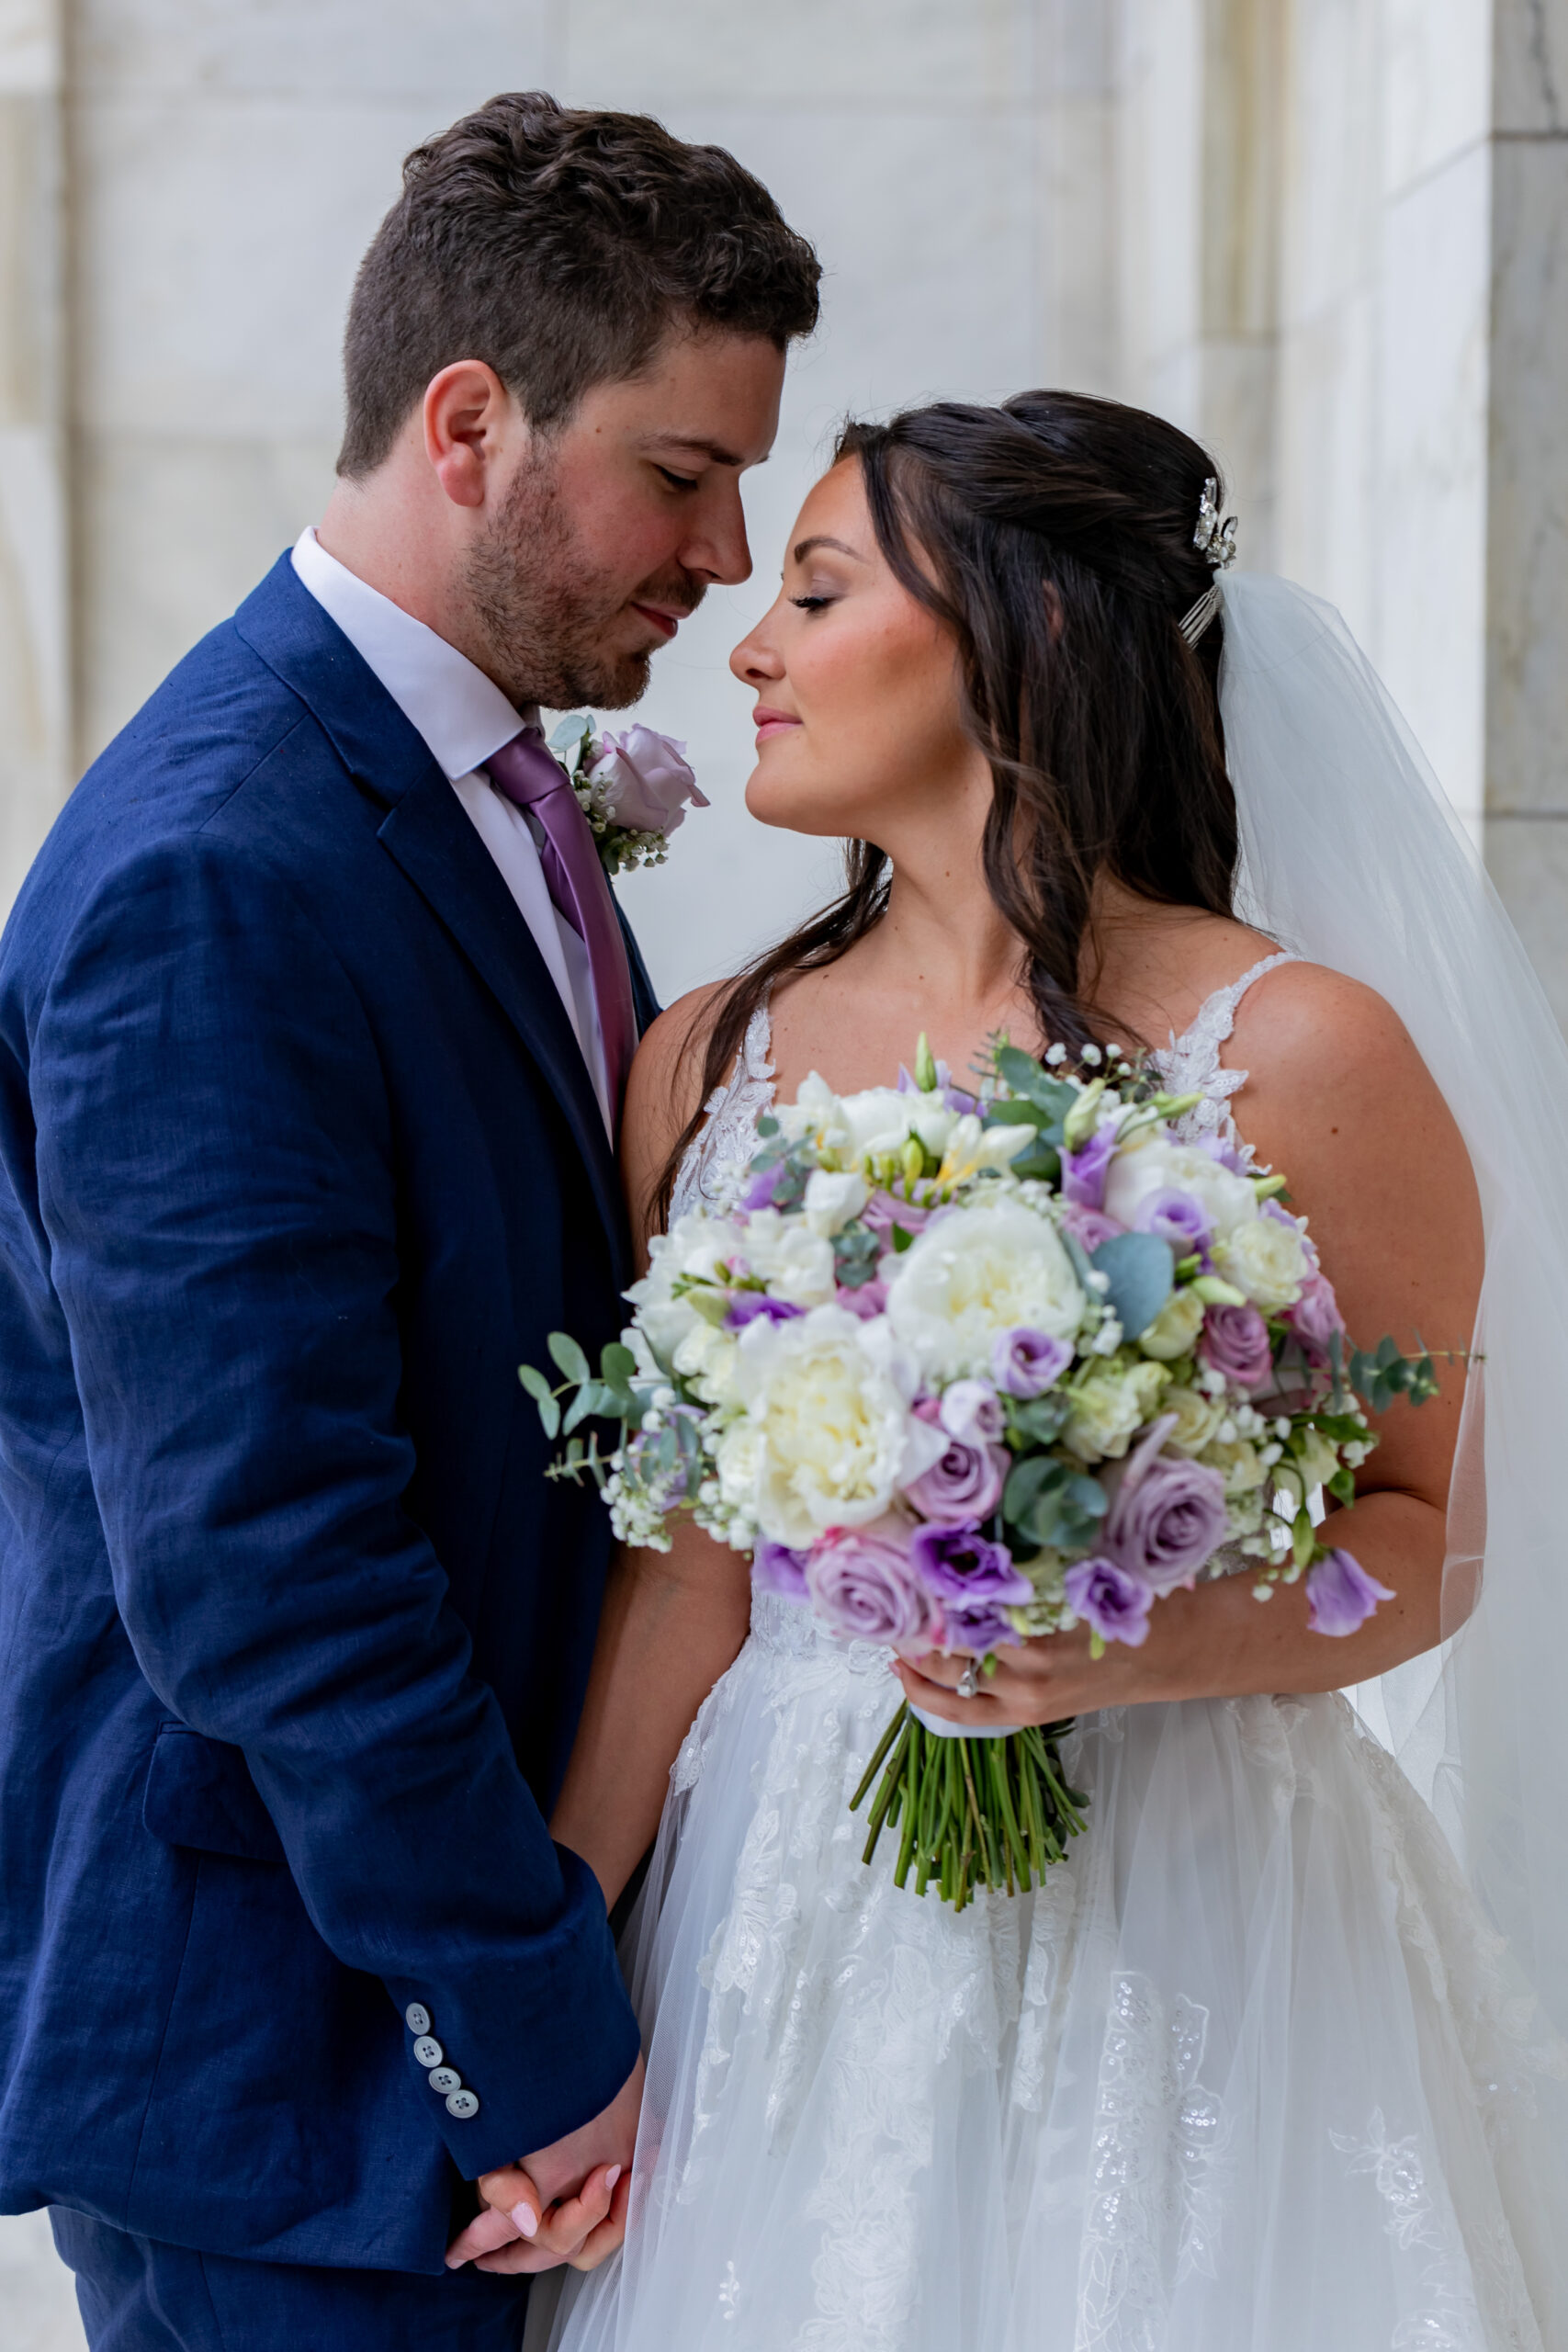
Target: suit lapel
[(428, 833)]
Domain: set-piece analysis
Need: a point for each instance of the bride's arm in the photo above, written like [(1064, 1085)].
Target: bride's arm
[(1340, 1100), (673, 1621)]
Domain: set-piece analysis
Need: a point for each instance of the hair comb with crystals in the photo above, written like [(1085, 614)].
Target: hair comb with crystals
[(1215, 541)]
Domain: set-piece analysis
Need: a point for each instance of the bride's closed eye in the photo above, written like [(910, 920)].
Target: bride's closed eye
[(812, 604)]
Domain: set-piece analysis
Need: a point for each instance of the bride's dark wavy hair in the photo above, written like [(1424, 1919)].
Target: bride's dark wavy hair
[(1054, 537)]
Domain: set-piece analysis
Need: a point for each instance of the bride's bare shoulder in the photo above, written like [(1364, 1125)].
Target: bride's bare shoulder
[(665, 1088), (1303, 1020)]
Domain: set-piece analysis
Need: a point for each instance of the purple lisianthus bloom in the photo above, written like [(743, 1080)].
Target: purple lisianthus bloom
[(1316, 1318), (1114, 1604), (1026, 1362), (1176, 1217), (1236, 1342), (959, 1564), (864, 1586), (978, 1625), (964, 1485), (885, 1210), (1084, 1170), (759, 1192), (1089, 1228), (775, 1568), (746, 1304), (1341, 1596), (866, 1299), (1168, 1515)]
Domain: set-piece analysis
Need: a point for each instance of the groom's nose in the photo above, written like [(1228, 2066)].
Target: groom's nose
[(715, 547)]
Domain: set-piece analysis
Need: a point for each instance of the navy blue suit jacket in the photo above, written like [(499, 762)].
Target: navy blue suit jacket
[(299, 1159)]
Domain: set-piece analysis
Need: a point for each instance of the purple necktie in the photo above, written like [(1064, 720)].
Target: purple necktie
[(528, 774)]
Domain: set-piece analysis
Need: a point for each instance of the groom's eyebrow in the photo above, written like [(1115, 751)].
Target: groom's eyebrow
[(701, 448), (803, 547)]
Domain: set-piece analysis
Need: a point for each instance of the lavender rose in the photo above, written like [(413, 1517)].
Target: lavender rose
[(1341, 1596), (1167, 1516), (885, 1210), (963, 1486), (1025, 1362), (1236, 1342), (1088, 1226), (971, 1411), (646, 781), (1112, 1603), (866, 1299), (864, 1586), (775, 1568)]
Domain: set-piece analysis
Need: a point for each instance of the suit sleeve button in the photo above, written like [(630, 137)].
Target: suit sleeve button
[(462, 2103), (416, 2017), (444, 2079), (428, 2053)]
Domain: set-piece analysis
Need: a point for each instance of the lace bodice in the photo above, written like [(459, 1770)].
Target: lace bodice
[(1189, 1065)]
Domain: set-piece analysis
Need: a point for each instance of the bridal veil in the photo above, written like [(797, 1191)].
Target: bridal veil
[(1352, 857)]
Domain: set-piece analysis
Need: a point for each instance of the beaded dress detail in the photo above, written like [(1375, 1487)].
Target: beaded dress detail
[(1247, 2074)]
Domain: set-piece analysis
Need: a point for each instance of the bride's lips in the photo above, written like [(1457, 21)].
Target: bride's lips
[(771, 722), (666, 623)]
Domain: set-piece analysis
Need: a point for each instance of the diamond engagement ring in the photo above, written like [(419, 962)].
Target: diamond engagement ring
[(968, 1683)]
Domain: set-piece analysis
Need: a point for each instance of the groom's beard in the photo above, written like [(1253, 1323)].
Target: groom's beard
[(545, 615)]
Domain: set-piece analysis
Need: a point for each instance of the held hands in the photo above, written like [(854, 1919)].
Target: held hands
[(566, 2204)]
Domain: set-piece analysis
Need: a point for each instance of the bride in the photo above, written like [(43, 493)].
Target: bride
[(1250, 2069)]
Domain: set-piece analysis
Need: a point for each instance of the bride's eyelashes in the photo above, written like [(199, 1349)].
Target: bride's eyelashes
[(812, 604)]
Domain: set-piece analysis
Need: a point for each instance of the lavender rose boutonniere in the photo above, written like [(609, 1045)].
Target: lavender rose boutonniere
[(633, 788)]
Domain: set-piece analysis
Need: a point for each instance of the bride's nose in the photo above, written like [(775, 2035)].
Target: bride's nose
[(754, 661)]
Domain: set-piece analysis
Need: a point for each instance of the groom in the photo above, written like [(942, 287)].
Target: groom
[(314, 1013)]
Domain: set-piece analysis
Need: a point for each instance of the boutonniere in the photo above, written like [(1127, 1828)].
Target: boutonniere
[(633, 788)]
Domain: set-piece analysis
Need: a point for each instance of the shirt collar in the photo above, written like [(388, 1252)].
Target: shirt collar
[(462, 714)]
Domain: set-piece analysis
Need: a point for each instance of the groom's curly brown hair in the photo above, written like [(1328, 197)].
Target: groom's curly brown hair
[(559, 245)]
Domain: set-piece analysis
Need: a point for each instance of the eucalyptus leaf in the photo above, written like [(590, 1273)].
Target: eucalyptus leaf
[(565, 1352), (1026, 1077), (570, 731), (1141, 1272), (617, 1364)]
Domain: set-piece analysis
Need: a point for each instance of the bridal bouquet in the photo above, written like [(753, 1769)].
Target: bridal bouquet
[(633, 790), (961, 1371)]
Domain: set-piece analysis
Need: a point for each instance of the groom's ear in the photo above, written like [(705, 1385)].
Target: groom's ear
[(471, 424)]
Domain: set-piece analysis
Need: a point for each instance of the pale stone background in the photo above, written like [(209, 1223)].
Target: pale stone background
[(1329, 235)]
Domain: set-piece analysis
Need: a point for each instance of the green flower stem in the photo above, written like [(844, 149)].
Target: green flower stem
[(970, 1812)]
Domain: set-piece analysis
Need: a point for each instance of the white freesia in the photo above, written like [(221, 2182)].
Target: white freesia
[(697, 1247), (833, 1200), (1149, 1164), (1108, 1404), (827, 1436), (974, 1273), (972, 1146), (796, 1263), (1268, 1260), (705, 1360)]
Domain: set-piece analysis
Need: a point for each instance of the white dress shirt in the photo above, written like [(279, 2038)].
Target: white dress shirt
[(463, 716)]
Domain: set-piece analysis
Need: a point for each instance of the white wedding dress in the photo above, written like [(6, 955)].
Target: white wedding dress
[(1247, 2074)]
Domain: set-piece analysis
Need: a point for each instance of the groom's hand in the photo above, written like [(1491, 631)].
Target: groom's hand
[(564, 2203)]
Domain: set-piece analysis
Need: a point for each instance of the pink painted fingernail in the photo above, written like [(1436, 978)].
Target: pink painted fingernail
[(527, 2219), (611, 2176)]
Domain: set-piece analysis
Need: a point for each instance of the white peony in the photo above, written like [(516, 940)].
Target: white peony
[(1110, 1405), (796, 1263), (976, 1272), (827, 1436), (1267, 1258), (1149, 1164), (833, 1201)]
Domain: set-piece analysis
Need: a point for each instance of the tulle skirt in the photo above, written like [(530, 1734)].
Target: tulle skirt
[(1248, 2074)]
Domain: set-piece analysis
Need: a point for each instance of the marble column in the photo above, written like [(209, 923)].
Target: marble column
[(1527, 537), (35, 635)]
